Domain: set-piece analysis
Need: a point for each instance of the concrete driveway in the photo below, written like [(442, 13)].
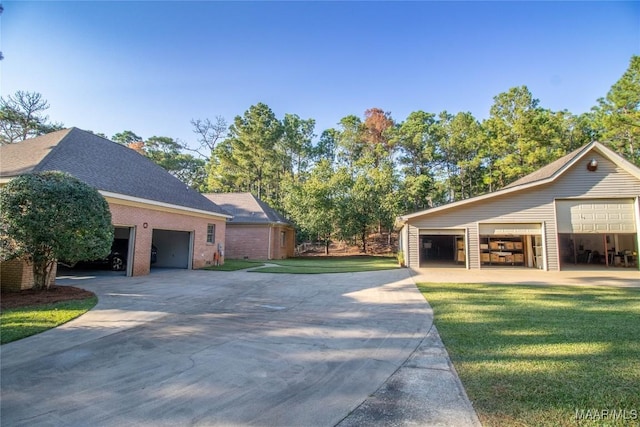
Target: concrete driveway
[(213, 348)]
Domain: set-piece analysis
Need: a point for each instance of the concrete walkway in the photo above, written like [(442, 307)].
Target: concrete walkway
[(623, 277), (212, 348)]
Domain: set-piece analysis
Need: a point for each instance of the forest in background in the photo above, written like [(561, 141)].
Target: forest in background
[(346, 182)]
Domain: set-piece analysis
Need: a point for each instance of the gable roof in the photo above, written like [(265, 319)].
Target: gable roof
[(248, 209), (544, 175), (111, 168)]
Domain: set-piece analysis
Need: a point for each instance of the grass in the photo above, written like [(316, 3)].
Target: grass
[(319, 265), (18, 323), (235, 264), (533, 356)]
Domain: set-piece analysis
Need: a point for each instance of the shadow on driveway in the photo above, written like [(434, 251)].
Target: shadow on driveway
[(213, 348)]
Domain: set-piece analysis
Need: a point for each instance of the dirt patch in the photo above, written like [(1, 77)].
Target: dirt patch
[(377, 244), (30, 297)]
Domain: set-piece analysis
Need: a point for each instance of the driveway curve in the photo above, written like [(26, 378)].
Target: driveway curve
[(217, 348)]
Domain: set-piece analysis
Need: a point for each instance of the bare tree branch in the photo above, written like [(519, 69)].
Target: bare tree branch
[(209, 134), (21, 117)]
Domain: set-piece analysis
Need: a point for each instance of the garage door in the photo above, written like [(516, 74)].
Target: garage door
[(173, 248), (596, 216), (509, 229), (440, 232)]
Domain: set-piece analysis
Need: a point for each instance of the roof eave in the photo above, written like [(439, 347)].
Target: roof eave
[(270, 223), (128, 198)]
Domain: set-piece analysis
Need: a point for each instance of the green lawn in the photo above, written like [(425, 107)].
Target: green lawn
[(235, 264), (311, 265), (317, 265), (533, 356), (22, 322)]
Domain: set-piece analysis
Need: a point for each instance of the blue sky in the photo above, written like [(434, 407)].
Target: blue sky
[(151, 67)]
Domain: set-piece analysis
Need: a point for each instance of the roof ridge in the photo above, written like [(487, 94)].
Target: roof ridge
[(47, 158), (112, 168), (247, 207)]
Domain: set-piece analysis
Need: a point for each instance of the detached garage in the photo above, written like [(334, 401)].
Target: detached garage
[(582, 211)]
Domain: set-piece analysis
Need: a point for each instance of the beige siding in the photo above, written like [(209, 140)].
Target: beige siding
[(413, 256), (535, 205)]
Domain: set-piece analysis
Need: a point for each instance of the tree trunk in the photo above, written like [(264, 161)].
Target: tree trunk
[(41, 274), (364, 240), (326, 247)]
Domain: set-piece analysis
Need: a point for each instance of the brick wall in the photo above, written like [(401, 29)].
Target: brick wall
[(278, 249), (124, 215), (17, 274), (247, 241), (252, 241)]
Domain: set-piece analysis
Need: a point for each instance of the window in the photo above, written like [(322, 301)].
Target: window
[(211, 233), (283, 238)]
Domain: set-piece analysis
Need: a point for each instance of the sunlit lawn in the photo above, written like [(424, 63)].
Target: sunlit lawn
[(533, 356), (235, 264), (331, 264), (22, 322), (311, 265)]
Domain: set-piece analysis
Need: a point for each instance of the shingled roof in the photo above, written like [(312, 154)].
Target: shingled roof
[(549, 170), (247, 209), (103, 164)]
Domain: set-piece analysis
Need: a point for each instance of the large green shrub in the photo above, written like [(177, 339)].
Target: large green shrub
[(52, 215)]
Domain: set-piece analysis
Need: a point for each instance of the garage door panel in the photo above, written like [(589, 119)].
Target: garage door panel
[(601, 216), (505, 229), (173, 248), (440, 232)]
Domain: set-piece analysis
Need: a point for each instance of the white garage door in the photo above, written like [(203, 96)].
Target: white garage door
[(488, 229), (441, 232), (596, 216)]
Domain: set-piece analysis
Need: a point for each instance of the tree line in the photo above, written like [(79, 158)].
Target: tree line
[(357, 177)]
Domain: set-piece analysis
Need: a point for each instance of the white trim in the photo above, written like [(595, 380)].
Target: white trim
[(545, 255), (191, 250), (132, 250), (467, 255), (160, 204)]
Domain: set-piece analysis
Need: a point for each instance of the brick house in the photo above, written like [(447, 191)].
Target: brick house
[(149, 206), (256, 231)]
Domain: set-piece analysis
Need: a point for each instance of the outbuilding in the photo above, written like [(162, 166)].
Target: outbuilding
[(256, 231), (581, 210), (152, 211)]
